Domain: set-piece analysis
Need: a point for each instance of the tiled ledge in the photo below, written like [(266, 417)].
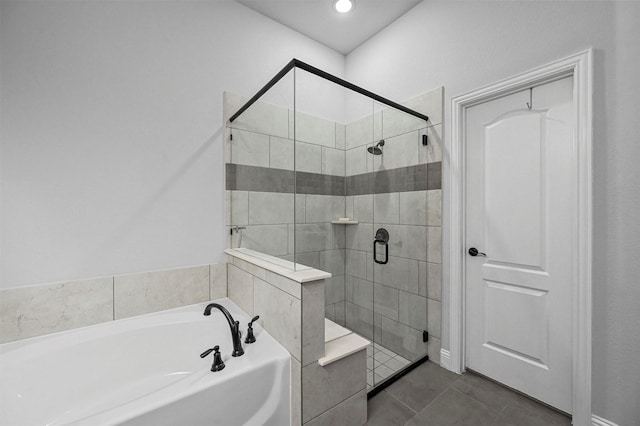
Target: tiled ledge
[(340, 343), (281, 267)]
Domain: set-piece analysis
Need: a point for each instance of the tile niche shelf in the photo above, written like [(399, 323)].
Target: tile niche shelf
[(344, 222)]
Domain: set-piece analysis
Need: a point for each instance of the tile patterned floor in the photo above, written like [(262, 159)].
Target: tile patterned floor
[(429, 395), (382, 363)]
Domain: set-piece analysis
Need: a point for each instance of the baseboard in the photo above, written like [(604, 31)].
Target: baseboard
[(599, 421), (445, 359)]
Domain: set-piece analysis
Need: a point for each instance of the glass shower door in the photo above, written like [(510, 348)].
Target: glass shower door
[(398, 257)]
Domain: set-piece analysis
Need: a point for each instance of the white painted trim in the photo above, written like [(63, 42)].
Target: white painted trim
[(445, 359), (599, 421), (580, 66)]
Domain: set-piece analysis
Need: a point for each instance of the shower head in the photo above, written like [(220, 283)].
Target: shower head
[(377, 149)]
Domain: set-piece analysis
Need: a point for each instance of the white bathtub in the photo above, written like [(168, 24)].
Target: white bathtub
[(146, 370)]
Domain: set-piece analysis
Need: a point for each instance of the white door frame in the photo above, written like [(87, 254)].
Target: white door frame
[(580, 66)]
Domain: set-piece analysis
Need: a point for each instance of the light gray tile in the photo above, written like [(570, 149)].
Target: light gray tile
[(138, 294), (385, 301), (360, 237), (408, 241), (430, 103), (422, 279), (312, 321), (281, 153), (301, 208), (349, 212), (396, 122), (434, 244), (268, 239), (399, 151), (49, 308), (325, 387), (250, 268), (340, 313), (434, 312), (356, 263), (308, 158), (356, 161), (334, 289), (332, 261), (362, 293), (240, 288), (341, 142), (413, 310), (434, 281), (431, 153), (239, 207), (294, 288), (399, 273), (402, 339), (268, 208), (360, 320), (296, 393), (386, 208), (333, 162), (217, 281), (324, 208), (315, 130), (413, 208), (251, 149), (311, 259), (359, 132), (434, 207), (330, 312), (363, 208), (352, 411), (261, 117), (318, 237), (280, 314)]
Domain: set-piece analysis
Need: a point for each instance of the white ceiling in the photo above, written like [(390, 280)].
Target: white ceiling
[(318, 20)]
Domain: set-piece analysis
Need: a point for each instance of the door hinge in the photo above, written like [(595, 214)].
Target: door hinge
[(425, 336)]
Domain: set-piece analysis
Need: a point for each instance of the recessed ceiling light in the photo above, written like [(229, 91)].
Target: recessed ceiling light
[(343, 6)]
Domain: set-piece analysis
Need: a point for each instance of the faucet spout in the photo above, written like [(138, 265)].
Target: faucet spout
[(234, 326)]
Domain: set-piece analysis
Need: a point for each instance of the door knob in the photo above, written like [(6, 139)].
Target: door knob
[(474, 252)]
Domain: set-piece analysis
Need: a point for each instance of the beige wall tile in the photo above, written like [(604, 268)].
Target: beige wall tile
[(312, 321), (217, 281), (138, 294), (49, 308), (240, 288), (280, 314)]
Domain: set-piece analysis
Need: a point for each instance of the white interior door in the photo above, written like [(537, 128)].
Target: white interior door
[(520, 171)]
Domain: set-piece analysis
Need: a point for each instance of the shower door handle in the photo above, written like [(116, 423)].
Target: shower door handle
[(386, 252), (382, 237)]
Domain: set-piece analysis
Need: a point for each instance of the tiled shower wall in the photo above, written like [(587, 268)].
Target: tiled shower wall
[(400, 191), (260, 190), (337, 177)]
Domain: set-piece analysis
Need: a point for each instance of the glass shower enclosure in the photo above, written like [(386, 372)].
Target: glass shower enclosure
[(324, 174)]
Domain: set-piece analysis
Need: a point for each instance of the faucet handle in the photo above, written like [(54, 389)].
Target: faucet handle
[(251, 338), (218, 364), (208, 351)]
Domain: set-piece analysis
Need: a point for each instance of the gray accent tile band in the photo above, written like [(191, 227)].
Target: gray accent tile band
[(263, 179), (404, 179)]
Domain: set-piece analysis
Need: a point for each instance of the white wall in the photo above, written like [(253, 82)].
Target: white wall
[(111, 121), (465, 45)]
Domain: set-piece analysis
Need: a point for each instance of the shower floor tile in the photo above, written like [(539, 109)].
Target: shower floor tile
[(386, 363)]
